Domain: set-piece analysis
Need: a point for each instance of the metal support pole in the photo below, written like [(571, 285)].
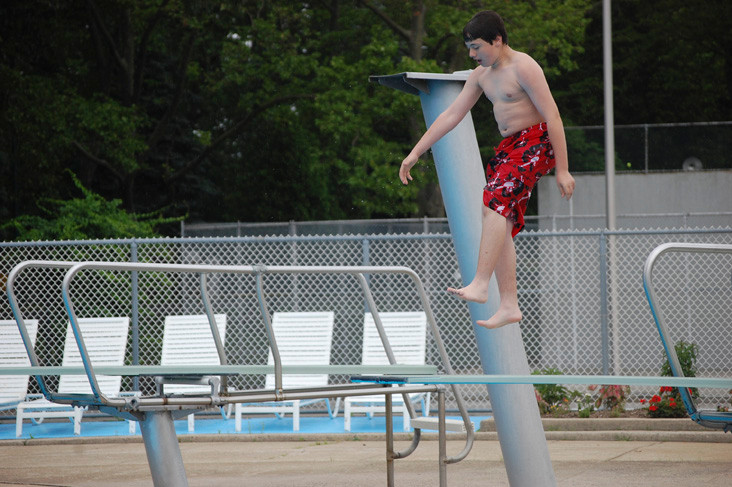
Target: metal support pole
[(163, 451), (604, 326), (645, 147), (607, 63), (442, 436), (365, 261), (135, 316), (459, 169), (389, 440)]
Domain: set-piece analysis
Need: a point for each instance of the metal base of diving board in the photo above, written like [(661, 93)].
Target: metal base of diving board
[(166, 462), (391, 455), (163, 450)]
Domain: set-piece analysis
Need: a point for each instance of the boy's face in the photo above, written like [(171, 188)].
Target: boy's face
[(484, 52)]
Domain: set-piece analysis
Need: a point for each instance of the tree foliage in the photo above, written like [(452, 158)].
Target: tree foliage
[(88, 217), (260, 110)]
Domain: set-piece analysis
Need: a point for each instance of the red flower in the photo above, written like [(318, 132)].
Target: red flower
[(656, 398), (653, 408), (643, 401)]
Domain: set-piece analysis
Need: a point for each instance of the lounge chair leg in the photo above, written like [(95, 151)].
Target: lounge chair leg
[(78, 412), (347, 417), (19, 425)]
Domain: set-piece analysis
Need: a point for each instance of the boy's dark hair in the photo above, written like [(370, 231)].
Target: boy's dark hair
[(486, 25)]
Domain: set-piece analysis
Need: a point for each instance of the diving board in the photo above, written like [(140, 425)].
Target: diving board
[(168, 370), (694, 382)]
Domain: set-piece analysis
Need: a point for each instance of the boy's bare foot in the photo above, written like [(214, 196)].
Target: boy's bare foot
[(502, 317), (471, 292)]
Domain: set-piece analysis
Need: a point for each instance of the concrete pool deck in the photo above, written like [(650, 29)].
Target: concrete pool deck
[(357, 460)]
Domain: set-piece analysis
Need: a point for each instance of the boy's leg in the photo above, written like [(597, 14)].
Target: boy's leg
[(492, 241), (508, 308)]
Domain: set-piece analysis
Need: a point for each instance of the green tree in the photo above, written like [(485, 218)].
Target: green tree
[(239, 110), (430, 35), (89, 217), (261, 110), (671, 63)]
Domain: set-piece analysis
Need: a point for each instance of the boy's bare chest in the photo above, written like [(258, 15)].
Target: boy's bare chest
[(502, 87)]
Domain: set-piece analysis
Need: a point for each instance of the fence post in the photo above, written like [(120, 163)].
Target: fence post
[(604, 328), (366, 261), (365, 252), (135, 315)]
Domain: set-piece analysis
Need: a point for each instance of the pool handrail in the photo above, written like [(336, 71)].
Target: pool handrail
[(98, 399), (33, 358), (258, 271), (709, 419), (10, 291)]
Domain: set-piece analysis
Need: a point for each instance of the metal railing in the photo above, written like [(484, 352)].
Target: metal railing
[(153, 411), (710, 419), (359, 272)]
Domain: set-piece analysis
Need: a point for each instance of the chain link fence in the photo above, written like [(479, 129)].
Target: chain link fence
[(381, 226), (690, 146), (430, 226), (581, 293)]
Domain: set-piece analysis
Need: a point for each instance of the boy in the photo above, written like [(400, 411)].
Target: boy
[(534, 143)]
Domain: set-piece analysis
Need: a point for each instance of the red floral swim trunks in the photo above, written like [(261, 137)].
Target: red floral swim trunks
[(521, 160)]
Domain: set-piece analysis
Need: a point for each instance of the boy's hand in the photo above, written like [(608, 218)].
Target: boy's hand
[(407, 164), (565, 183)]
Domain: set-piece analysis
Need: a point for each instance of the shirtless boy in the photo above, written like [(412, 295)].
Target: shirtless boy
[(529, 119)]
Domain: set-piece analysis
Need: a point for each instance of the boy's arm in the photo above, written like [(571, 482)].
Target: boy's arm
[(444, 123), (531, 77)]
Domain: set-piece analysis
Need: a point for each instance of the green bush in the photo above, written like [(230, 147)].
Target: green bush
[(668, 403), (87, 217), (686, 353), (551, 397)]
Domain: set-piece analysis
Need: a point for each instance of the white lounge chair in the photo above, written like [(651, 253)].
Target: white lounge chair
[(187, 340), (106, 341), (407, 333), (303, 338), (14, 388)]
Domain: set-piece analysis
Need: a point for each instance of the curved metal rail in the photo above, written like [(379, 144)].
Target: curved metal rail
[(132, 408), (259, 270), (710, 419), (33, 358)]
